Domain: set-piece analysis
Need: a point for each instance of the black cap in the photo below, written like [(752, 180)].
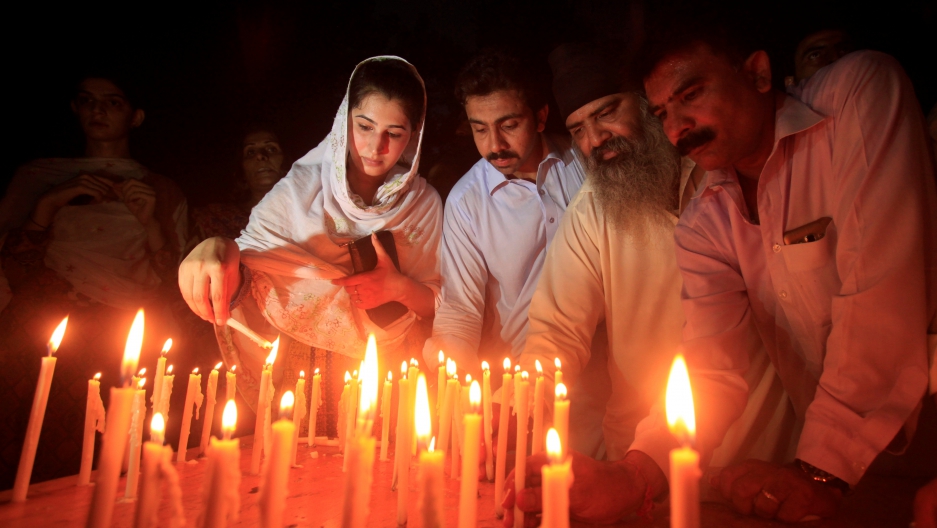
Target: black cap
[(581, 74)]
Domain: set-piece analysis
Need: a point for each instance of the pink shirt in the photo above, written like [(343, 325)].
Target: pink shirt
[(844, 318)]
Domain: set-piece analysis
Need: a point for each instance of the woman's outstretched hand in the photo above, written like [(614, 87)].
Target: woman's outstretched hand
[(209, 278)]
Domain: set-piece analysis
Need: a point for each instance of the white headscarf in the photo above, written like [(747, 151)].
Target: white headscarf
[(294, 243)]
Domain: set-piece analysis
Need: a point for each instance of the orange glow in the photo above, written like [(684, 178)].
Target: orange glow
[(560, 392), (169, 370), (485, 367), (403, 369), (141, 373), (166, 346), (475, 397), (97, 376), (390, 376), (539, 367), (554, 447), (347, 377), (369, 381), (235, 366), (450, 368), (507, 365), (286, 405), (302, 374), (132, 349), (57, 336), (141, 383), (195, 370), (217, 366), (524, 375), (557, 364), (517, 369), (680, 415), (414, 362), (157, 428), (229, 419), (442, 357), (432, 445), (273, 352), (315, 372), (468, 379), (424, 424)]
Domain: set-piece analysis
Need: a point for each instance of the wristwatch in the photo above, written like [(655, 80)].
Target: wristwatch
[(818, 475)]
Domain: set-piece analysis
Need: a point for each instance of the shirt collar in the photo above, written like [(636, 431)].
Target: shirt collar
[(494, 180)]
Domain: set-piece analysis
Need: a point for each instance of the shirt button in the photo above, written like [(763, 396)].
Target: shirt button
[(776, 248), (782, 294), (551, 220)]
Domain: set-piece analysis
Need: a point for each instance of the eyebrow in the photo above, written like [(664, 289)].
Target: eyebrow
[(680, 89), (499, 120), (86, 92), (373, 122), (598, 111)]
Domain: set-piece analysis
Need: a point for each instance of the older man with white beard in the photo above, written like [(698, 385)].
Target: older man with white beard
[(613, 262)]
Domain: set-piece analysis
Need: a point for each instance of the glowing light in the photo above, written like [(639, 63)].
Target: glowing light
[(432, 445), (141, 383), (424, 424), (302, 374), (195, 370), (169, 370), (468, 379), (450, 367), (485, 367), (229, 419), (273, 352), (554, 447), (403, 369), (442, 357), (347, 377), (561, 392), (414, 362), (517, 369), (507, 365), (141, 373), (157, 428), (217, 366), (475, 396), (679, 402), (97, 376), (315, 372), (132, 349), (556, 362), (57, 336), (524, 375), (286, 405), (390, 376), (166, 346), (235, 366), (369, 380)]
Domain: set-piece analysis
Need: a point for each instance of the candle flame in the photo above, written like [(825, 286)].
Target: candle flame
[(141, 383), (235, 366), (347, 377), (390, 376), (316, 372), (432, 445), (468, 379), (273, 352), (442, 357), (450, 367), (475, 396), (556, 362), (217, 366), (539, 367), (229, 418), (166, 346), (286, 405), (507, 365), (369, 379), (169, 370), (485, 367), (414, 362), (517, 368), (403, 369), (132, 349), (157, 428), (424, 425), (679, 402), (141, 373), (97, 376), (524, 376), (57, 336), (302, 374), (560, 392), (195, 370), (554, 447)]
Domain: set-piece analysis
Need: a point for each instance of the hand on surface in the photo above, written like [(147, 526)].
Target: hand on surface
[(209, 277), (96, 187), (139, 197), (925, 506), (774, 491), (381, 285)]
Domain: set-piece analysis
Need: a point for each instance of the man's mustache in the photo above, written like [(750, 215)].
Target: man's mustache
[(504, 154), (616, 144), (694, 139)]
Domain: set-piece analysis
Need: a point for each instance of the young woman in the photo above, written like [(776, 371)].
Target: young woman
[(290, 273)]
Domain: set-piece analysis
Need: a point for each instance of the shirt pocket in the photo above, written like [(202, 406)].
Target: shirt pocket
[(815, 280)]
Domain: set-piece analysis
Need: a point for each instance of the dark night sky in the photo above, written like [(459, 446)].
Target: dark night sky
[(206, 70)]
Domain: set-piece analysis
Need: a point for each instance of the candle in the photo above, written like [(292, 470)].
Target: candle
[(557, 379), (385, 414), (166, 393), (441, 378), (138, 414), (231, 382), (250, 334), (210, 392), (314, 407), (402, 442), (536, 444), (432, 487), (298, 414), (94, 421), (134, 382), (557, 478), (263, 402), (468, 492), (115, 436), (561, 417), (360, 456), (158, 379), (223, 475), (412, 374), (522, 407), (457, 416), (342, 406), (156, 457), (506, 392), (351, 410), (684, 461), (446, 416), (276, 469), (193, 396), (486, 407), (36, 415)]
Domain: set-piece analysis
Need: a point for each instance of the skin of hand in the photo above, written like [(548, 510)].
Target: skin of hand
[(384, 284), (85, 184), (209, 278), (925, 506), (602, 492), (140, 199), (795, 494)]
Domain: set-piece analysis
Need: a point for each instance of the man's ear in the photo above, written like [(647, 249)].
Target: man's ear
[(758, 67), (542, 117), (138, 116)]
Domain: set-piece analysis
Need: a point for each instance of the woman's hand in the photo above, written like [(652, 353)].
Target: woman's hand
[(57, 197), (139, 197), (209, 278)]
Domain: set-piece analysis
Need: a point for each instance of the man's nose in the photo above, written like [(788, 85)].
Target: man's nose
[(597, 136), (676, 126), (496, 142)]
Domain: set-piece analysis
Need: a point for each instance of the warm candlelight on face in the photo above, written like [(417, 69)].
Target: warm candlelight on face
[(157, 428), (229, 419), (132, 349)]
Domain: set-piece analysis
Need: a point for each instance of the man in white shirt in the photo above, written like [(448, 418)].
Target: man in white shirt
[(500, 216)]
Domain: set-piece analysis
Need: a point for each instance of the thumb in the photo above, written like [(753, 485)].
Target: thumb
[(383, 259)]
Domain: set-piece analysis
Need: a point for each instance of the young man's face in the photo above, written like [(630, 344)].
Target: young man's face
[(506, 131), (712, 110), (818, 50), (103, 110), (593, 124)]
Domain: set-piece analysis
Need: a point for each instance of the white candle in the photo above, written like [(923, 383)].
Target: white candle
[(94, 421), (457, 415), (360, 456), (36, 415), (222, 475), (432, 487), (156, 397), (468, 492), (385, 415), (536, 444), (441, 378), (193, 397), (263, 400), (231, 380), (557, 478), (522, 406), (115, 437), (137, 416), (351, 411), (486, 408), (684, 461), (273, 488), (155, 458), (448, 404), (298, 413), (165, 394), (342, 408), (412, 374), (401, 443), (507, 390), (314, 404), (561, 417), (211, 391), (557, 379)]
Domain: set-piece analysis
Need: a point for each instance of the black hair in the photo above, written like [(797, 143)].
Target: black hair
[(495, 70), (394, 80)]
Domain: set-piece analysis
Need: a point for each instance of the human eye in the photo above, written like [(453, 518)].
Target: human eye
[(510, 125), (692, 94), (273, 149), (364, 127), (813, 56), (479, 130), (249, 153), (393, 135)]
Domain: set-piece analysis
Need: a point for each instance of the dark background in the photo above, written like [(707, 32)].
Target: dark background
[(207, 69)]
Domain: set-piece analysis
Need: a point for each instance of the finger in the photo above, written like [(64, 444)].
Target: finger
[(766, 504), (727, 477), (508, 519), (186, 287), (382, 256), (219, 296), (201, 289), (351, 280), (744, 490), (530, 499)]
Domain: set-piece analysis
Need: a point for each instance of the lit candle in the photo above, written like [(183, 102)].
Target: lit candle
[(432, 487), (263, 402), (166, 393), (36, 415), (556, 481), (298, 413), (342, 408), (522, 408), (360, 456), (351, 411), (440, 387), (222, 475), (468, 492), (385, 414), (684, 461), (456, 433), (412, 374), (211, 391), (193, 397), (138, 415), (156, 459), (115, 436), (506, 392), (277, 466), (561, 417), (401, 443), (158, 378), (486, 408), (557, 379), (449, 401), (536, 443), (231, 381), (314, 407), (94, 421)]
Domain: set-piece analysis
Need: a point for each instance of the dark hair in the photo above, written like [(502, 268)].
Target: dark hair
[(121, 80), (495, 70), (394, 80)]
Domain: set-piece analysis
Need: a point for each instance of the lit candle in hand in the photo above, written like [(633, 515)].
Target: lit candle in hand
[(262, 408), (273, 488), (360, 456), (507, 389), (684, 461), (94, 421), (468, 492), (557, 478), (432, 487), (223, 475)]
